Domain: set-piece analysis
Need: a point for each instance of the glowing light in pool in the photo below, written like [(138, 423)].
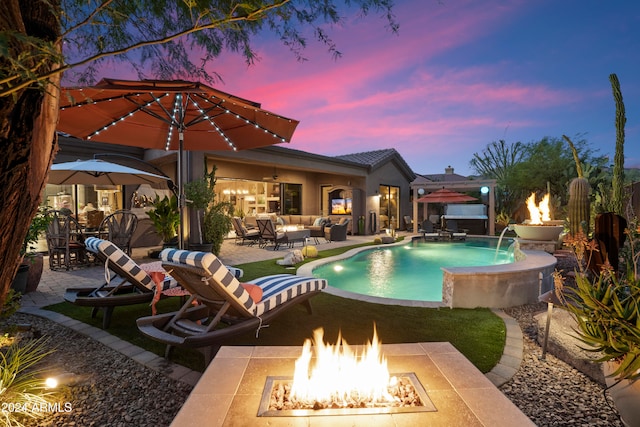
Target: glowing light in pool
[(338, 268)]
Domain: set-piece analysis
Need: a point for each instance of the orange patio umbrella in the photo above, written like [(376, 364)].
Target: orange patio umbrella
[(170, 115)]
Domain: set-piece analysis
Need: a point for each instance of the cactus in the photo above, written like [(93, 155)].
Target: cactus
[(617, 182), (579, 204)]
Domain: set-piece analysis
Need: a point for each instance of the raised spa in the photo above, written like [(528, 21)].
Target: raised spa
[(453, 274)]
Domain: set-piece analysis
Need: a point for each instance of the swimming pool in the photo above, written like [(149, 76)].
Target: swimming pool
[(453, 274)]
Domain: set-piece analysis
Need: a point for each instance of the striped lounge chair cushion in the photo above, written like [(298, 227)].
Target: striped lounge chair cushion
[(213, 266), (115, 255), (279, 288), (276, 289)]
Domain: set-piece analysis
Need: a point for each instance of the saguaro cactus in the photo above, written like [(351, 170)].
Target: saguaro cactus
[(617, 182), (579, 204)]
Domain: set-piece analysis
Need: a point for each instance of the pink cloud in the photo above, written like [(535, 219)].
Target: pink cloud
[(413, 91)]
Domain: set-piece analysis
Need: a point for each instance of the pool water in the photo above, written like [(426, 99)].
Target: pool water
[(411, 271)]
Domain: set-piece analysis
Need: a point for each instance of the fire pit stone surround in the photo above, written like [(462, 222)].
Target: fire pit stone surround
[(229, 392)]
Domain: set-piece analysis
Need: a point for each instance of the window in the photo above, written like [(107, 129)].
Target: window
[(292, 199), (389, 206)]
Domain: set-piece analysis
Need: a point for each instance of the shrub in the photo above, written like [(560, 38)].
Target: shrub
[(22, 387), (606, 306)]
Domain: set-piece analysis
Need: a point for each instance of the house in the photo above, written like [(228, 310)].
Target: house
[(372, 188)]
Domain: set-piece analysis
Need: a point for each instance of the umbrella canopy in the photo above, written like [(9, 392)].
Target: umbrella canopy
[(171, 115), (100, 172), (445, 196), (155, 113)]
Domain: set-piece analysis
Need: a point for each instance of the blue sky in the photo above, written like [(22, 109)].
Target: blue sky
[(459, 75)]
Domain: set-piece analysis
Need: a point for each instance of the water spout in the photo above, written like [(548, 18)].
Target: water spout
[(508, 228)]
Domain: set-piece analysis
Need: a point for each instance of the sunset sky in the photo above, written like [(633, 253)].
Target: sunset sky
[(459, 75)]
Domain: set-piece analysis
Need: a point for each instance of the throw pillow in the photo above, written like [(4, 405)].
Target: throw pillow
[(255, 291)]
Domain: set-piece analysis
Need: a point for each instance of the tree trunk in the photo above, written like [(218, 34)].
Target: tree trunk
[(27, 130)]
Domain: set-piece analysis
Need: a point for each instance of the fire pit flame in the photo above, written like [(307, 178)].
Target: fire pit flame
[(540, 226), (538, 213), (339, 374)]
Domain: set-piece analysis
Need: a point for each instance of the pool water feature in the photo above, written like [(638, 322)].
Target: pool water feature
[(411, 271), (453, 282)]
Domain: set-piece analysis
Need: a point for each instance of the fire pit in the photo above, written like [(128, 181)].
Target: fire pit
[(538, 232), (335, 380), (230, 391), (409, 396), (540, 226)]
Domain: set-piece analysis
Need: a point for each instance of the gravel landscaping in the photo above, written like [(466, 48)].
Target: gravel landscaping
[(110, 389), (117, 391)]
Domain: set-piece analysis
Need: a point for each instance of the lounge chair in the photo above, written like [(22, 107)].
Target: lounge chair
[(268, 233), (408, 223), (243, 233), (134, 286), (223, 299), (428, 232), (337, 232), (456, 234)]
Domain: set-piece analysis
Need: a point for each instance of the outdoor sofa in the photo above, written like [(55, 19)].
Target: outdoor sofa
[(308, 221)]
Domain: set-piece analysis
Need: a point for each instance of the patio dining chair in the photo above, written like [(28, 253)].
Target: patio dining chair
[(226, 306), (64, 241), (119, 227), (94, 220)]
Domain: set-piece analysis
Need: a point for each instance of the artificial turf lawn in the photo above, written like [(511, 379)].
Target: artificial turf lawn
[(477, 333)]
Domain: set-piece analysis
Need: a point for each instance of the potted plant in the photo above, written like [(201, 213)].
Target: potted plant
[(165, 217), (30, 270), (200, 194), (217, 224), (217, 218)]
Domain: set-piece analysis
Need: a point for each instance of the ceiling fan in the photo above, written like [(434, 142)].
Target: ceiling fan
[(271, 178)]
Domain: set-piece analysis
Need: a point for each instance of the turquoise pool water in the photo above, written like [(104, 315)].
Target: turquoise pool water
[(411, 271)]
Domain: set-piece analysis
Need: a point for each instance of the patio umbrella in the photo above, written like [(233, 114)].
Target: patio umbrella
[(100, 172), (171, 115), (445, 196)]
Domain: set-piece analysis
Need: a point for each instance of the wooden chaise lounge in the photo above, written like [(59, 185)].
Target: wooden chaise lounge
[(132, 286), (222, 299)]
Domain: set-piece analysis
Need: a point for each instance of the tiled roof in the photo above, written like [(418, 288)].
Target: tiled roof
[(370, 158), (376, 158)]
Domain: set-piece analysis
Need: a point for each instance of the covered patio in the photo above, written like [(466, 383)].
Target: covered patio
[(425, 184)]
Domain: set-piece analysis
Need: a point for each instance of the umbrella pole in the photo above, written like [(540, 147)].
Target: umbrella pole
[(181, 197)]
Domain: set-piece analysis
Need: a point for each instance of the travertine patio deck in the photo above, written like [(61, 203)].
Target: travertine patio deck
[(229, 392)]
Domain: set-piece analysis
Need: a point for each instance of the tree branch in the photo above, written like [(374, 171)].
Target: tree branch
[(252, 16)]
